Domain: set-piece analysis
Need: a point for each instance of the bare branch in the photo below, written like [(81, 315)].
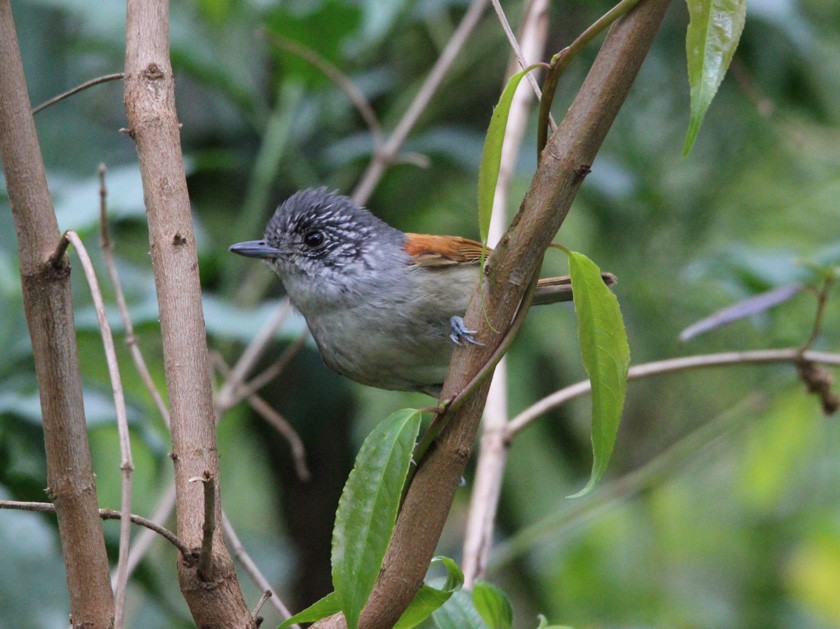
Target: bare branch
[(47, 300), (276, 420), (225, 398), (251, 568), (127, 465), (509, 271), (154, 127), (492, 456), (77, 89), (131, 339), (673, 365), (536, 12), (273, 370), (143, 541), (354, 94), (385, 156), (105, 514)]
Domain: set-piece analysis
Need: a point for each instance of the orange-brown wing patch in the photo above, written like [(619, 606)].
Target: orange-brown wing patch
[(429, 250)]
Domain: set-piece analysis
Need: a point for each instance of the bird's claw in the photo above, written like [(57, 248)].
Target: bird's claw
[(461, 333)]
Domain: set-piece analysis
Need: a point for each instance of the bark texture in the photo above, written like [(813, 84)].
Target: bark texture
[(565, 163), (150, 106), (49, 313)]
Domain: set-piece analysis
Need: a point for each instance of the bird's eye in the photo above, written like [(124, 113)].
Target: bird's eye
[(314, 239)]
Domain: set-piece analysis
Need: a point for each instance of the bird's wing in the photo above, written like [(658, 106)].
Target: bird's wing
[(430, 251)]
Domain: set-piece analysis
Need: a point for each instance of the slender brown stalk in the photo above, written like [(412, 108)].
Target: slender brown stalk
[(153, 124), (388, 151), (127, 465), (673, 365), (130, 337), (79, 88), (251, 568), (49, 313), (105, 514)]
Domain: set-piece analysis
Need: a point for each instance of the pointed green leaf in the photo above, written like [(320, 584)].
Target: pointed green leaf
[(606, 357), (493, 605), (429, 598), (367, 510), (491, 155), (322, 608), (713, 32)]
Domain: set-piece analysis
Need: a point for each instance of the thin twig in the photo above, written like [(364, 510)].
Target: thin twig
[(251, 568), (562, 59), (385, 156), (205, 557), (260, 602), (77, 89), (127, 465), (673, 365), (275, 419), (105, 514), (225, 398), (535, 11), (131, 339), (354, 94), (143, 541), (822, 299), (273, 370)]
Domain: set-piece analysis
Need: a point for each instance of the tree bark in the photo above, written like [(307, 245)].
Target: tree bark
[(565, 163), (150, 106), (49, 313)]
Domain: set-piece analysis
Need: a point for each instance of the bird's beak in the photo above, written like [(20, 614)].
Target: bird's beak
[(255, 249)]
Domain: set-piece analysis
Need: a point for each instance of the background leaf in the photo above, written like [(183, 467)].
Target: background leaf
[(368, 509), (714, 29), (493, 605), (606, 357)]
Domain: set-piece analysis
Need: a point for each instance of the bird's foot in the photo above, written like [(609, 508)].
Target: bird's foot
[(461, 333)]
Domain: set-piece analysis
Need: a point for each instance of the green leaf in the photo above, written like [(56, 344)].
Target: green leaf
[(606, 357), (430, 598), (493, 605), (714, 29), (322, 608), (459, 613), (367, 510), (491, 155)]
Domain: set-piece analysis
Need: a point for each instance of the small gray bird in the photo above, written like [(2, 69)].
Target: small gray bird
[(383, 306)]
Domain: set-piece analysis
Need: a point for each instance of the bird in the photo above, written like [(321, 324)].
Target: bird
[(383, 306)]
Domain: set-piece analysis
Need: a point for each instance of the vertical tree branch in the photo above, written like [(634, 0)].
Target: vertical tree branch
[(492, 457), (150, 108), (564, 164), (49, 314)]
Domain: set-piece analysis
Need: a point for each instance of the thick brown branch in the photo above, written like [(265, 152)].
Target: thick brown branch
[(49, 314), (150, 109), (564, 164)]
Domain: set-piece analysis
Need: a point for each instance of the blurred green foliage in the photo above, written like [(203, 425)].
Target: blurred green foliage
[(743, 530)]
